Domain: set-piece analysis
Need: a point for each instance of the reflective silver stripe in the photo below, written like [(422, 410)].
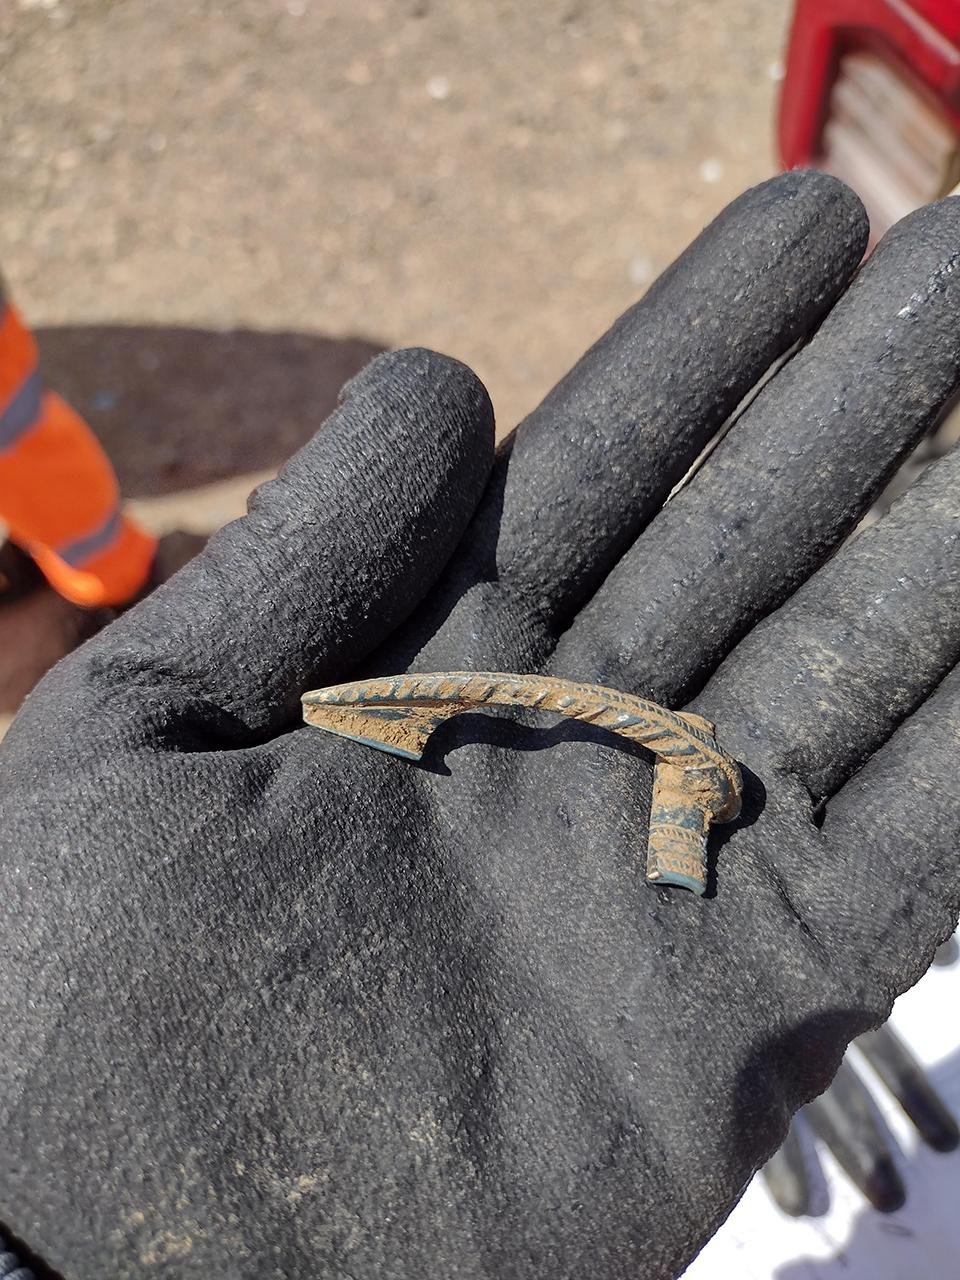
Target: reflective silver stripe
[(81, 549), (22, 411)]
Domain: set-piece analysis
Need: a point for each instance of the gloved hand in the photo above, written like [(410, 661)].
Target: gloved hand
[(845, 1119), (275, 1004)]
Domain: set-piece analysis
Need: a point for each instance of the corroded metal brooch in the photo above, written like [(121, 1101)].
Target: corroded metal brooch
[(695, 782)]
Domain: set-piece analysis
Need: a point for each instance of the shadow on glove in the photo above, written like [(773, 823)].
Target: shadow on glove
[(847, 1121)]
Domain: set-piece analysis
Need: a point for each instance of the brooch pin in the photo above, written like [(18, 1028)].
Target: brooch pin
[(695, 782)]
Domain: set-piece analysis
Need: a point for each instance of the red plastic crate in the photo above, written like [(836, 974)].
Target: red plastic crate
[(872, 92)]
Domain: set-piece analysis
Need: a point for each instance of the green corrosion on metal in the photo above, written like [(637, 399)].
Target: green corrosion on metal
[(695, 782)]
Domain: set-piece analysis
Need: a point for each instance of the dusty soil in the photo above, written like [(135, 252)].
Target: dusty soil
[(214, 213)]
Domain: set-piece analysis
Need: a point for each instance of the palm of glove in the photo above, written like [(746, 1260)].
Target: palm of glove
[(284, 1001)]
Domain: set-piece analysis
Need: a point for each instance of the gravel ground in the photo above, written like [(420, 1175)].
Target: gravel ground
[(496, 180), (214, 213)]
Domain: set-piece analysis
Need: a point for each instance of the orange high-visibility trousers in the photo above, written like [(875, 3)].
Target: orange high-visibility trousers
[(59, 497)]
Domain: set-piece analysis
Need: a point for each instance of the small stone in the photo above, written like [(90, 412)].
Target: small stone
[(711, 169), (640, 270), (438, 87)]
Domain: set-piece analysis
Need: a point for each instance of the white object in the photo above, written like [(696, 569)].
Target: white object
[(851, 1241)]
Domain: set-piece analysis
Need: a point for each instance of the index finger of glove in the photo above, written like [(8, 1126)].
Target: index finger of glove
[(332, 555), (589, 468)]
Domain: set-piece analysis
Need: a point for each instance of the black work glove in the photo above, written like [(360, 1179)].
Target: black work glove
[(277, 1005)]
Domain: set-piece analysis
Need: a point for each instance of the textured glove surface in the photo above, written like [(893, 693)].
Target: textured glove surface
[(276, 1005)]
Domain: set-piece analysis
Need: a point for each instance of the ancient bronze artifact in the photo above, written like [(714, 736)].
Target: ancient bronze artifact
[(694, 781)]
